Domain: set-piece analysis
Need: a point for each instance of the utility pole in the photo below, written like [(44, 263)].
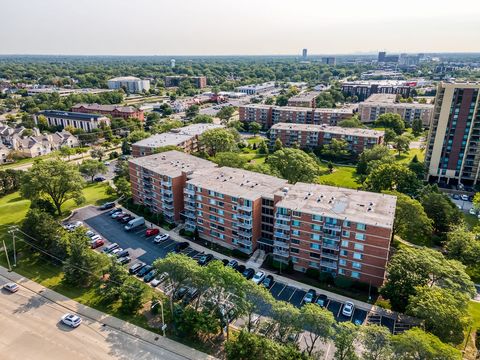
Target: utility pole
[(14, 249), (6, 253)]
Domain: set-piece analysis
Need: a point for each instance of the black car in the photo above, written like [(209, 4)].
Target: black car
[(205, 259), (241, 268), (136, 267), (268, 282), (126, 219), (225, 262), (248, 273), (113, 211), (99, 179), (233, 264), (181, 246), (149, 277), (180, 293), (190, 296), (144, 271), (107, 205), (322, 300), (122, 253), (124, 260)]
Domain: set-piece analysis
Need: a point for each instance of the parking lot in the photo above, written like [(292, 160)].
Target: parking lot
[(142, 248)]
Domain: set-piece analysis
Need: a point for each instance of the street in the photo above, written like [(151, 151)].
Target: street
[(30, 328)]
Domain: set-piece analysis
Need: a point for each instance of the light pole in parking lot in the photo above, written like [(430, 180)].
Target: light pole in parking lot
[(164, 326)]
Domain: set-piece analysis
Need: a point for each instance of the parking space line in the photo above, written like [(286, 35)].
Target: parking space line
[(294, 291), (284, 286), (339, 310)]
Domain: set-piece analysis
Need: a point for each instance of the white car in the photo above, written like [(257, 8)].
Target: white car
[(348, 308), (74, 225), (71, 320), (159, 279), (12, 287), (115, 251), (106, 163), (258, 278), (117, 214), (464, 197), (90, 234), (162, 237), (96, 237), (472, 211)]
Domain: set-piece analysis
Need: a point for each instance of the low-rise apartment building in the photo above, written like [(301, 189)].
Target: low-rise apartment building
[(255, 89), (86, 122), (197, 81), (185, 138), (313, 136), (378, 104), (364, 88), (115, 111), (268, 115), (304, 100)]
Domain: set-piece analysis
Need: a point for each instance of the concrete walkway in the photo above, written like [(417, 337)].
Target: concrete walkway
[(110, 321)]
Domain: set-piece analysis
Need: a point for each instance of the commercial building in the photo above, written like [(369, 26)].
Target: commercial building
[(255, 89), (185, 138), (173, 81), (304, 100), (384, 58), (304, 54), (86, 122), (115, 111), (313, 136), (364, 88), (130, 83), (267, 115), (341, 231), (453, 154), (378, 104), (329, 60)]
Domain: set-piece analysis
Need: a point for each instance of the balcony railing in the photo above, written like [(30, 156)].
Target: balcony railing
[(244, 225), (165, 183), (189, 191), (166, 192), (330, 246), (282, 226), (329, 256), (329, 264), (280, 252), (190, 214), (281, 244), (245, 234), (244, 208), (281, 235), (332, 227), (167, 206), (282, 217), (245, 242), (245, 217)]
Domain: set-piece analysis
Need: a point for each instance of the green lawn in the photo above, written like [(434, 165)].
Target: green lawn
[(253, 157), (405, 158), (342, 176)]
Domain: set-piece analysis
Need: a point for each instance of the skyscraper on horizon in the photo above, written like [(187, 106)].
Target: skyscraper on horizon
[(304, 54)]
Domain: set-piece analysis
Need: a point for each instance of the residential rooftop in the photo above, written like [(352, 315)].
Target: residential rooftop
[(239, 183), (341, 203), (307, 96), (329, 129), (70, 115), (173, 163), (389, 100), (125, 78), (344, 110), (98, 107)]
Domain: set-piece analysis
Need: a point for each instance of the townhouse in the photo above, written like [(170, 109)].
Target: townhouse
[(313, 136)]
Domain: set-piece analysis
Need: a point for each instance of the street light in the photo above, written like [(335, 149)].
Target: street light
[(164, 326)]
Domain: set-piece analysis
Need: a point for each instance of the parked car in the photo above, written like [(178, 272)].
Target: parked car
[(110, 248), (348, 308), (136, 267), (309, 297), (225, 262), (127, 218), (113, 211), (71, 320), (150, 275), (322, 300), (464, 197), (144, 271), (152, 231), (96, 237), (97, 243), (191, 294), (241, 268), (159, 279), (124, 260), (99, 179), (11, 287), (233, 264), (258, 278), (180, 293), (121, 216), (160, 238), (181, 246), (90, 233), (456, 196), (107, 205), (248, 273), (268, 282), (472, 211), (106, 163), (205, 259), (117, 214), (122, 253), (134, 223), (73, 226), (116, 251)]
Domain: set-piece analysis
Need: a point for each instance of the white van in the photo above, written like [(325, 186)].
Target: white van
[(134, 223)]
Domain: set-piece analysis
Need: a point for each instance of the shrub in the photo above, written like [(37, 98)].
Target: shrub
[(343, 282), (313, 273), (240, 254)]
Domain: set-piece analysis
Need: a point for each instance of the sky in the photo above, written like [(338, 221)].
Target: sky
[(237, 27)]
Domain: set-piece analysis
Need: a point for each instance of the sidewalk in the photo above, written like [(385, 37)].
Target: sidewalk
[(113, 322)]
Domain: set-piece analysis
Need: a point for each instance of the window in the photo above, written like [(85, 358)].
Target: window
[(341, 272), (344, 252), (359, 247), (234, 199), (342, 262), (357, 256), (296, 232), (295, 241), (346, 233), (315, 255), (315, 246), (361, 227), (315, 237), (297, 213), (356, 265), (313, 264), (316, 228), (355, 274), (294, 250), (345, 243), (360, 236), (199, 213), (317, 218), (199, 197), (294, 259), (296, 223)]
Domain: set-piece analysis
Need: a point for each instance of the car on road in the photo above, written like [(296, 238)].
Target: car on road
[(110, 248), (99, 179), (144, 271), (348, 308), (113, 211), (233, 264), (258, 278), (122, 253), (107, 205), (11, 287), (268, 282), (150, 275), (124, 260), (159, 279), (248, 273), (160, 238), (152, 231), (71, 320), (181, 246), (136, 267), (97, 243), (322, 300), (309, 297), (464, 197), (205, 259)]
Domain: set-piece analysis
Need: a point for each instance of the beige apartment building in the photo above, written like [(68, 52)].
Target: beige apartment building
[(304, 100)]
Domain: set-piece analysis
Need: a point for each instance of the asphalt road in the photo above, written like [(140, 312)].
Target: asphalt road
[(30, 329)]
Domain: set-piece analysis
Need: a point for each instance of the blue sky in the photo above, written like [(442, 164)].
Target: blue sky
[(225, 27)]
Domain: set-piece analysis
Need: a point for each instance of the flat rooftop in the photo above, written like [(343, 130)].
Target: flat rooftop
[(389, 100), (344, 110), (71, 115), (379, 83), (357, 206), (307, 96), (172, 163), (125, 78), (329, 129), (239, 183)]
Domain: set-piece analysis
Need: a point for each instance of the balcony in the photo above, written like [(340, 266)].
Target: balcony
[(147, 185), (281, 235), (245, 234), (282, 217), (168, 200), (244, 217), (332, 227), (328, 264), (190, 214), (330, 246), (167, 213), (166, 183), (331, 237), (280, 252), (329, 256), (189, 207), (147, 178), (281, 244), (282, 226), (245, 242), (244, 225), (167, 206), (166, 192), (244, 208), (189, 191)]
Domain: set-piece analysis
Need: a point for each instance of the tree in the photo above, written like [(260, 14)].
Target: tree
[(353, 122), (237, 125), (55, 179), (417, 344), (225, 113), (376, 341), (392, 121), (42, 123), (287, 318), (278, 145), (257, 299), (202, 119), (462, 245), (319, 323), (97, 153), (66, 151), (113, 285), (392, 177), (167, 125), (294, 165), (254, 128), (417, 127), (131, 295), (10, 181), (91, 168), (345, 335), (402, 143), (417, 167), (389, 136), (337, 149), (137, 135), (411, 222), (262, 147), (126, 147), (444, 312), (230, 159), (281, 100), (379, 154), (192, 111), (122, 187), (218, 140)]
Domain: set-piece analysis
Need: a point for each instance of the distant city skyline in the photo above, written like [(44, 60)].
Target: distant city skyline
[(210, 27)]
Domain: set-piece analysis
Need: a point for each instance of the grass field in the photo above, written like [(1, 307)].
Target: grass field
[(343, 176)]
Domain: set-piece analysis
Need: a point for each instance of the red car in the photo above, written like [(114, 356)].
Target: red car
[(97, 243), (152, 231)]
